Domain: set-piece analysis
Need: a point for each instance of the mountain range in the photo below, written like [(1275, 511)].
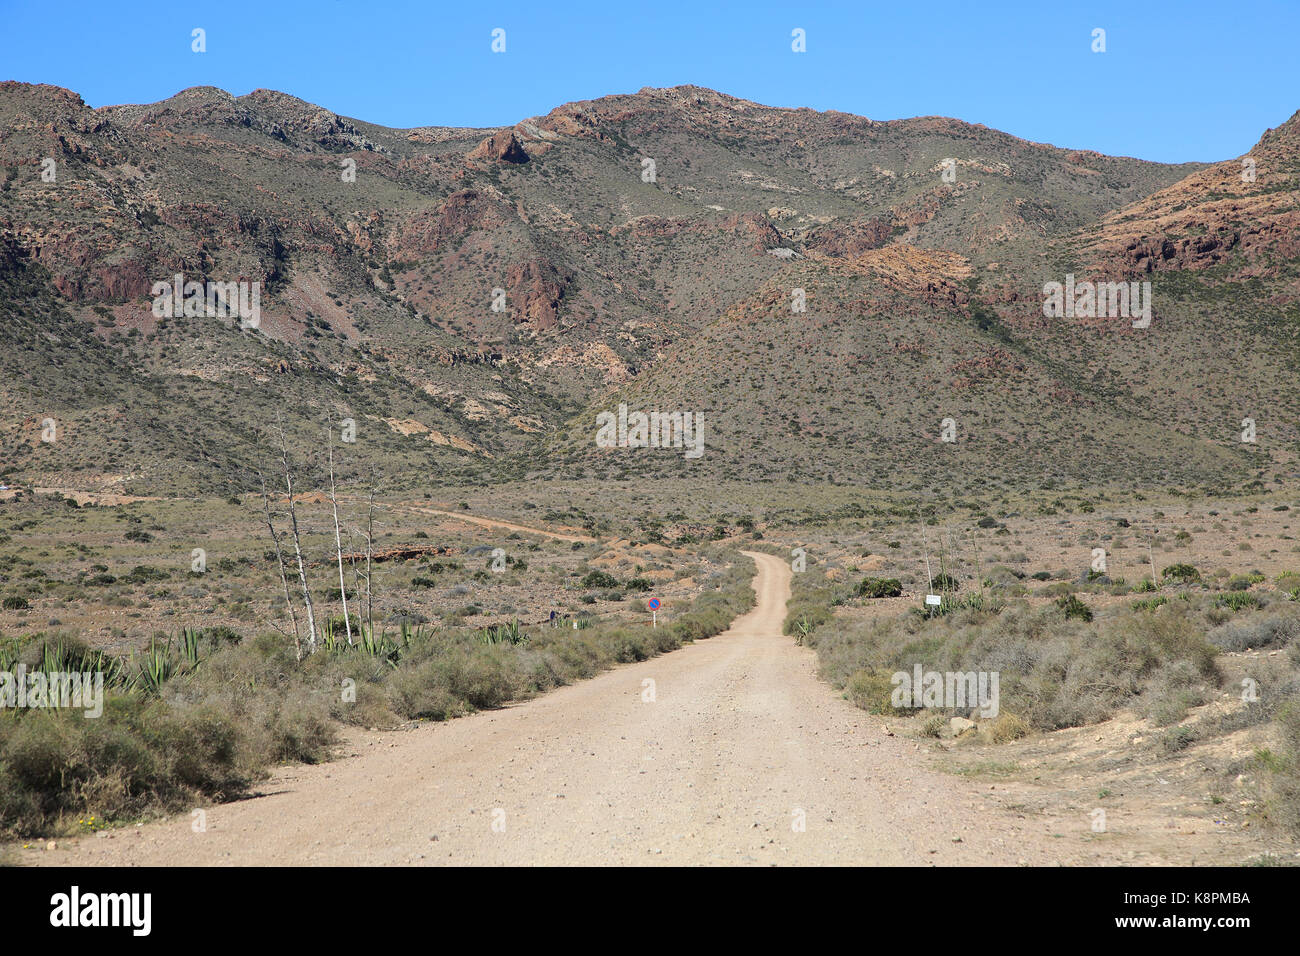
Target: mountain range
[(834, 299)]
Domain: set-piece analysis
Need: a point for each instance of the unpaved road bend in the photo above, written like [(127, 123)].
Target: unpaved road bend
[(729, 751)]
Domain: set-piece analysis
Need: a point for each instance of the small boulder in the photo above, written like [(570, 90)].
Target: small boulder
[(959, 726)]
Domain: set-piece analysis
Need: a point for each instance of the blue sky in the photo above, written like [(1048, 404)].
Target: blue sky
[(1178, 81)]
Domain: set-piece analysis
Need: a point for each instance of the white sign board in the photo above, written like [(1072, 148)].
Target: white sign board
[(933, 600)]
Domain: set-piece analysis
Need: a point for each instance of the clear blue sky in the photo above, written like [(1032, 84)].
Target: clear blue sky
[(1179, 81)]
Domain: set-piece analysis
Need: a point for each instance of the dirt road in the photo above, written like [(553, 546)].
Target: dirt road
[(729, 751), (493, 523)]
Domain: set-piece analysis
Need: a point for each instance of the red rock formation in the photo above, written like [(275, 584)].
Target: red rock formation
[(462, 212), (536, 288), (502, 146), (847, 239)]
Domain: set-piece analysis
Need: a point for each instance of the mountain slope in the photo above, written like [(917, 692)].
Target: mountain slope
[(922, 281)]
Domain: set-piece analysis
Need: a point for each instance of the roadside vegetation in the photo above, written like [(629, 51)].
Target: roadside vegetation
[(205, 715), (1063, 663)]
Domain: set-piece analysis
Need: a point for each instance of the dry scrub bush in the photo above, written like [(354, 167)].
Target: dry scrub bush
[(1054, 671)]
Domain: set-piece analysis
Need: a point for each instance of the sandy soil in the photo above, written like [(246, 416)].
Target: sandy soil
[(740, 745)]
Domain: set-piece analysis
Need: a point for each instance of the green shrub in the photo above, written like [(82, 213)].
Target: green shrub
[(1074, 608), (599, 579), (143, 574), (1237, 600), (1149, 604), (1179, 738), (807, 610), (1186, 573), (222, 635), (880, 588), (873, 692)]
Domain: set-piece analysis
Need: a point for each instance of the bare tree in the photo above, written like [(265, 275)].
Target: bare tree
[(297, 542), (356, 575), (949, 561), (978, 548), (279, 558), (925, 542), (370, 546), (338, 536)]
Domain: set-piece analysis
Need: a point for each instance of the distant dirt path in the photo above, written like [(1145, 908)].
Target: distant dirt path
[(493, 523), (740, 743)]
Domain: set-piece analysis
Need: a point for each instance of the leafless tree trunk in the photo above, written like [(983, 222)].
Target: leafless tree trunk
[(356, 580), (279, 558), (954, 561), (370, 543), (925, 543), (338, 537), (979, 558), (297, 542)]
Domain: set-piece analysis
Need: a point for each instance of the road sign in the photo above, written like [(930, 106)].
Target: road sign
[(933, 600), (653, 604)]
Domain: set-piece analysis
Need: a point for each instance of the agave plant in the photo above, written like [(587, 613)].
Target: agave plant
[(189, 645), (156, 668), (113, 669), (381, 645), (803, 627), (508, 633), (329, 636), (55, 657)]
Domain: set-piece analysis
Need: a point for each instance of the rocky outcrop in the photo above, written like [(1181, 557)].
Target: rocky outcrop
[(535, 288), (1241, 212), (465, 211), (844, 240), (502, 146)]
